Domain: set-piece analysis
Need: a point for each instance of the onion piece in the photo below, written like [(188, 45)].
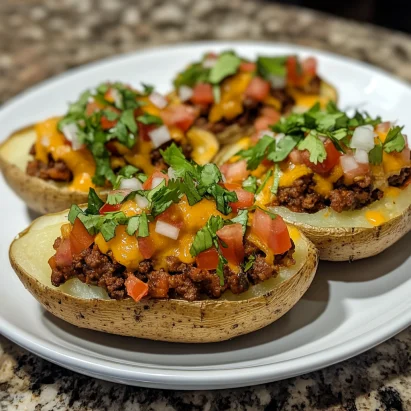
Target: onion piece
[(348, 163), (363, 138), (159, 136), (361, 156), (70, 131), (277, 81), (209, 62), (141, 201), (117, 97), (158, 100), (157, 181), (185, 93), (166, 229), (131, 184)]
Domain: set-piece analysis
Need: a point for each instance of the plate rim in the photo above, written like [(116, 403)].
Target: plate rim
[(215, 378)]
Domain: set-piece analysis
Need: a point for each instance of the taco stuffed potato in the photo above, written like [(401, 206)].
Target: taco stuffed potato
[(343, 181), (109, 132), (179, 257)]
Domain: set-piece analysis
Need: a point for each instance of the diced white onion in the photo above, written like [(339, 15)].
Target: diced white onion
[(131, 184), (348, 163), (118, 99), (185, 93), (141, 201), (278, 137), (209, 62), (361, 156), (268, 133), (277, 81), (159, 136), (158, 100), (70, 131), (363, 138), (167, 230), (171, 173), (156, 182)]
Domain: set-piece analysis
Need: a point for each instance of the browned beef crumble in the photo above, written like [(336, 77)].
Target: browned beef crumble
[(400, 179), (301, 197), (178, 280)]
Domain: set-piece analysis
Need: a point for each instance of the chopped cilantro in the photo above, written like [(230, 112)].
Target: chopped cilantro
[(375, 155), (394, 140), (276, 181), (314, 146), (264, 182), (94, 203), (226, 65), (271, 66), (249, 263), (241, 218), (147, 118), (254, 155), (220, 267), (250, 184), (206, 237)]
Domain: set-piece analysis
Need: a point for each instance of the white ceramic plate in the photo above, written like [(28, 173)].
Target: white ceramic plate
[(348, 309)]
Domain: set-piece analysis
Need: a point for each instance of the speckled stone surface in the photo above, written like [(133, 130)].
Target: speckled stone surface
[(40, 38)]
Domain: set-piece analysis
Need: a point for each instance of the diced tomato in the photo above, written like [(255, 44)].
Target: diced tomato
[(208, 259), (232, 237), (172, 216), (157, 174), (248, 66), (299, 74), (80, 239), (332, 159), (296, 157), (92, 107), (64, 256), (309, 66), (235, 172), (144, 129), (258, 89), (109, 208), (146, 247), (245, 198), (272, 231), (383, 127), (202, 94), (106, 124), (136, 288), (181, 116), (268, 117)]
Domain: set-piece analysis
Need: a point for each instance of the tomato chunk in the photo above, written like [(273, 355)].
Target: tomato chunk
[(202, 94), (181, 116), (80, 239), (157, 174), (109, 208), (208, 259), (258, 89), (136, 288), (248, 66), (332, 159), (271, 231), (235, 172), (64, 256), (245, 198), (300, 74), (231, 236), (146, 247)]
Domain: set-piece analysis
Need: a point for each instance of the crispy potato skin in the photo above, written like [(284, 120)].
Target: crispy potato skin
[(349, 244), (173, 320)]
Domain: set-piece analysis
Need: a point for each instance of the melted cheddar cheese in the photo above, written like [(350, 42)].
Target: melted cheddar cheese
[(125, 247), (291, 172)]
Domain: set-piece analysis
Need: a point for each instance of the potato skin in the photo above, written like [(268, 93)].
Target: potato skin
[(349, 244), (173, 320)]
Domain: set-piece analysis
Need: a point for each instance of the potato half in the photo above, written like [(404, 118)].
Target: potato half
[(48, 196), (167, 320), (351, 235)]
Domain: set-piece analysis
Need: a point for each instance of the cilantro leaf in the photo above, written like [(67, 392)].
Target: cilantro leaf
[(222, 198), (190, 190), (174, 157), (75, 210), (250, 184), (94, 202), (241, 218), (147, 118), (264, 182), (108, 229), (283, 148), (271, 66), (194, 74), (132, 225), (143, 230), (115, 198), (206, 237), (276, 181), (394, 141), (147, 88), (314, 146), (375, 155), (254, 155), (226, 65), (128, 119), (220, 267), (249, 264)]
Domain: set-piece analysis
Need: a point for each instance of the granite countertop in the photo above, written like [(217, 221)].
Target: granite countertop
[(40, 38)]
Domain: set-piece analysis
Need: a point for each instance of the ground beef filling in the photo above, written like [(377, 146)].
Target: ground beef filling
[(247, 117), (301, 197), (178, 280)]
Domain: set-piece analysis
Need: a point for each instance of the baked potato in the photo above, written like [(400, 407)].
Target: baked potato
[(179, 270), (343, 181), (52, 164), (235, 97)]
